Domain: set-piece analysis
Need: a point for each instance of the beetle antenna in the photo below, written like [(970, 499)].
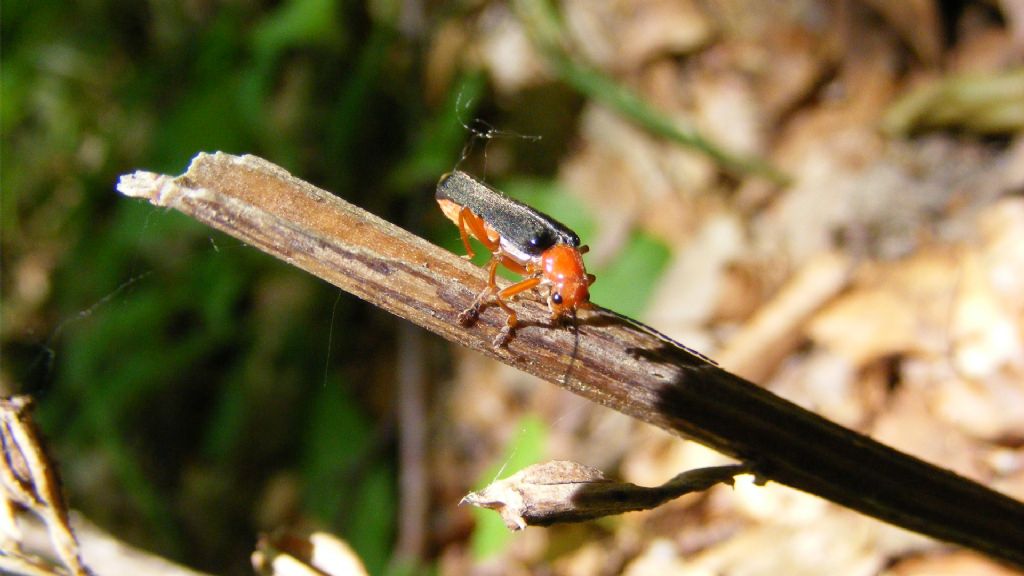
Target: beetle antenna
[(653, 332), (480, 129), (461, 108)]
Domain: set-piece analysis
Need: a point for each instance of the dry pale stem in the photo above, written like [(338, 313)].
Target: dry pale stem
[(27, 478)]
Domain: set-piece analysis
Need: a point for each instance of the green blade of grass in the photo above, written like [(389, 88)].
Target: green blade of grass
[(543, 25)]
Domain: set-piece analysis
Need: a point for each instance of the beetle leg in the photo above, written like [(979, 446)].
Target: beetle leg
[(510, 291), (514, 266), (491, 294), (462, 233), (469, 315), (512, 320), (470, 223), (518, 287)]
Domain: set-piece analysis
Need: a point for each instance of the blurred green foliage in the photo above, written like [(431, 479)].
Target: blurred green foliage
[(528, 447), (178, 372), (627, 283)]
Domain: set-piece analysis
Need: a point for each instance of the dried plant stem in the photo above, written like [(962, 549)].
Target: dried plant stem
[(563, 491), (615, 362), (27, 478)]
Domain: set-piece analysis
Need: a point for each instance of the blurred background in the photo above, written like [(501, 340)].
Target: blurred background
[(824, 196)]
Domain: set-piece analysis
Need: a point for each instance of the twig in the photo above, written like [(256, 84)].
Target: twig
[(617, 362)]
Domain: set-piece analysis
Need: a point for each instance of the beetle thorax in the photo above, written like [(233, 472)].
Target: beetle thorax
[(563, 271)]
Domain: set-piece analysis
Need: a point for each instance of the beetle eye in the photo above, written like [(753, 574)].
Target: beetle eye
[(556, 298)]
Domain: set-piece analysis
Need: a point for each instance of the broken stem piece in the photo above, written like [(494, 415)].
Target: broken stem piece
[(562, 491), (616, 362)]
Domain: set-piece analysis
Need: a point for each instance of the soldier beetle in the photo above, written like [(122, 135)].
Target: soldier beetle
[(526, 241)]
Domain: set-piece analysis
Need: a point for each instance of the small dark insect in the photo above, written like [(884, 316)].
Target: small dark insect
[(525, 241)]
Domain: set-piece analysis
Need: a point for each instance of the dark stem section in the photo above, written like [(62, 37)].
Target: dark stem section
[(616, 362)]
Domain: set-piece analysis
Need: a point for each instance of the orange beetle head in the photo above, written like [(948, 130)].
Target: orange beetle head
[(563, 270)]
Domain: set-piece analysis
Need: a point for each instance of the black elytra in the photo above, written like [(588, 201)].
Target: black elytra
[(528, 229)]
